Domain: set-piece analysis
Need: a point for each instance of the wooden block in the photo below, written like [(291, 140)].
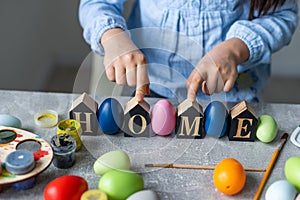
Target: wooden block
[(190, 120), (84, 110), (137, 119), (243, 123)]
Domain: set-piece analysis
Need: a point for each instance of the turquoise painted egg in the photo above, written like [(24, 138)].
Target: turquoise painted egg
[(111, 161), (10, 121), (215, 116)]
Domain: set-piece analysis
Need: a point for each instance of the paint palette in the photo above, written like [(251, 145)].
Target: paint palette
[(10, 140)]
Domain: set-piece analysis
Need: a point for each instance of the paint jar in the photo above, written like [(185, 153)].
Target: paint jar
[(63, 146), (24, 185), (71, 127)]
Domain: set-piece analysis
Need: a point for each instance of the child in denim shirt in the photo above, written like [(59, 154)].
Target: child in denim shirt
[(190, 48)]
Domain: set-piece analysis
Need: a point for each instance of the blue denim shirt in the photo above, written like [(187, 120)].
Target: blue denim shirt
[(174, 36)]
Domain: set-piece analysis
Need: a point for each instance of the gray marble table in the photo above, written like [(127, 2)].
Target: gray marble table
[(172, 184)]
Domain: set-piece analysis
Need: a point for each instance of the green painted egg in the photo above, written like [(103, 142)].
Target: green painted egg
[(112, 160), (292, 171), (118, 185), (266, 129)]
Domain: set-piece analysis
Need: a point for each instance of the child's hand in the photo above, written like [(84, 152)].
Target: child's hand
[(124, 63), (217, 70)]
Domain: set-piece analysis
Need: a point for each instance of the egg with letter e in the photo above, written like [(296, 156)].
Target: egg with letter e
[(215, 116), (163, 117), (292, 171), (280, 190), (120, 184), (110, 116)]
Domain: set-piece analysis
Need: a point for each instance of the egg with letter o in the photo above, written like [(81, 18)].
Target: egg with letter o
[(215, 115), (110, 116), (163, 117), (65, 187), (120, 184), (292, 171), (280, 190), (112, 160)]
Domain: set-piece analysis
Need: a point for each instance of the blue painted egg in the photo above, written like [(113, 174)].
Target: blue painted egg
[(110, 116), (10, 121), (215, 116)]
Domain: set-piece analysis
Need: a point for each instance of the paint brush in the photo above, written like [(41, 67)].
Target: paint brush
[(273, 160), (203, 167)]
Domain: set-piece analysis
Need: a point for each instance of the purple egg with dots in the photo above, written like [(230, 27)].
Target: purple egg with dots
[(110, 116), (216, 116), (163, 118)]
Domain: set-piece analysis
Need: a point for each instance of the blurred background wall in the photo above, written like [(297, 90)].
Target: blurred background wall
[(41, 48)]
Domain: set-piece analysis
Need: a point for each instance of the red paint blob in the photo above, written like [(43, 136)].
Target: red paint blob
[(39, 154)]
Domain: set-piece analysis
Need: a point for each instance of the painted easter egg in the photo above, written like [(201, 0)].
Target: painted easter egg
[(215, 116), (10, 121), (112, 160), (65, 187), (93, 194), (119, 185), (229, 176), (292, 171), (163, 117), (144, 194), (266, 128), (110, 116), (280, 190)]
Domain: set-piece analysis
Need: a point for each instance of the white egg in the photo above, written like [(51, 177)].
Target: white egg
[(144, 195), (280, 190)]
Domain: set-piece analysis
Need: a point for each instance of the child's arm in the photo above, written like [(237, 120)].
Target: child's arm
[(217, 70), (104, 29), (260, 37), (124, 62)]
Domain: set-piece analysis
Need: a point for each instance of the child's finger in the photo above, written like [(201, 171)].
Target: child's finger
[(131, 75), (228, 85), (120, 75), (193, 84), (142, 86), (110, 73)]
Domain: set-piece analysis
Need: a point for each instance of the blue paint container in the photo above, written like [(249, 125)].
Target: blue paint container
[(19, 162), (24, 185)]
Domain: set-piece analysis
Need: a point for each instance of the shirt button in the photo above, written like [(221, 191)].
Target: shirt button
[(195, 4)]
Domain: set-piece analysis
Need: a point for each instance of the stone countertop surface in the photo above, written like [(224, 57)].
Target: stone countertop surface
[(169, 183)]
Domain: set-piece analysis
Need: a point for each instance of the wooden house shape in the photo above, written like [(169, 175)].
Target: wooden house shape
[(84, 110), (190, 120), (243, 122), (137, 119)]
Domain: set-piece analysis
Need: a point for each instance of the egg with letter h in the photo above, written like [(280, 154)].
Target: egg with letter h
[(163, 118), (216, 116), (110, 116)]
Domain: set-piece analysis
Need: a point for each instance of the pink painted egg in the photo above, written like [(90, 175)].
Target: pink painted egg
[(163, 117)]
